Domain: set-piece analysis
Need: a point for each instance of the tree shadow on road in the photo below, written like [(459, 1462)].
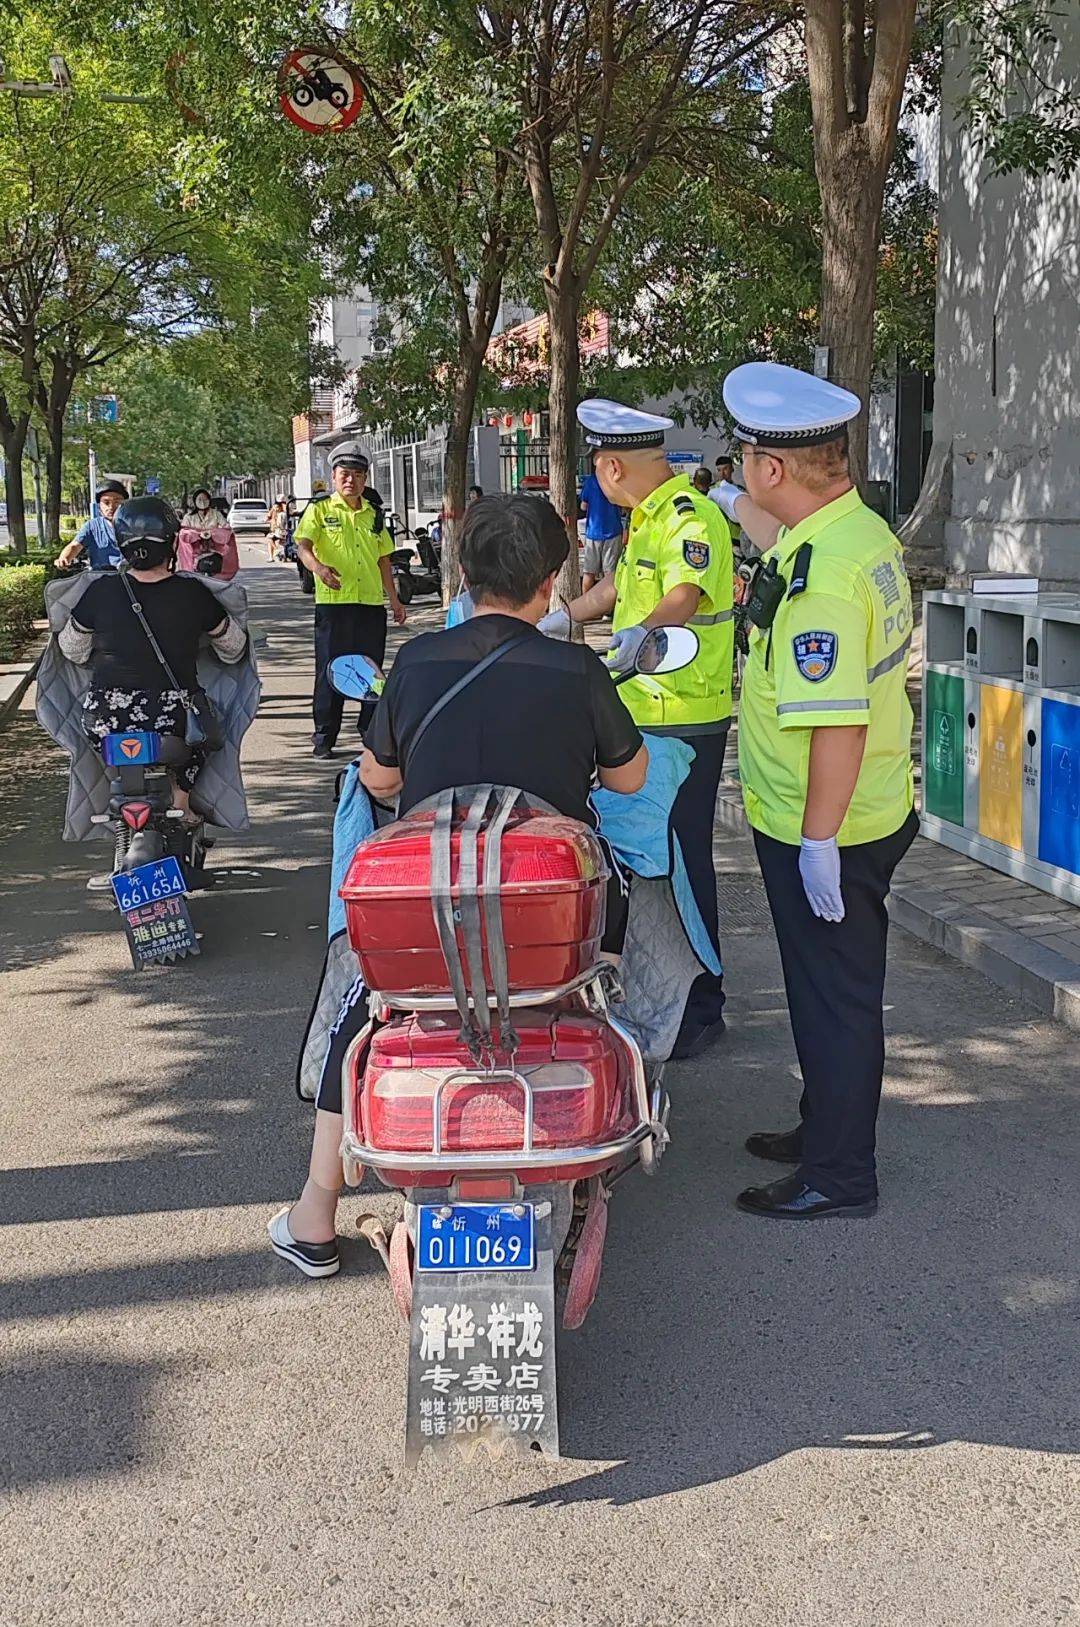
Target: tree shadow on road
[(721, 1342)]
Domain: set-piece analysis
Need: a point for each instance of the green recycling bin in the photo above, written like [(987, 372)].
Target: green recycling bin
[(943, 770)]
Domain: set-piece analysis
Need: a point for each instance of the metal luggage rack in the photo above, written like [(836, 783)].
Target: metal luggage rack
[(603, 974), (647, 1138)]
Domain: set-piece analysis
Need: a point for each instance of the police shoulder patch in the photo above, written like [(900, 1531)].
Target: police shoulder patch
[(683, 503), (815, 654), (696, 553)]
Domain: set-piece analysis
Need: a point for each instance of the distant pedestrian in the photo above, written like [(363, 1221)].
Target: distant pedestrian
[(96, 536), (703, 479), (604, 533), (475, 492)]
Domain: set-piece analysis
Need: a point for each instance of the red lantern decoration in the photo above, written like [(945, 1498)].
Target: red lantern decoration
[(493, 423), (527, 419), (508, 420)]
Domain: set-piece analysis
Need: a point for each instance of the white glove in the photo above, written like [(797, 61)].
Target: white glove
[(819, 867), (725, 496), (556, 624), (623, 649)]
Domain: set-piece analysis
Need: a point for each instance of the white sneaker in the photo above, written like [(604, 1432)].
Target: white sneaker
[(313, 1259)]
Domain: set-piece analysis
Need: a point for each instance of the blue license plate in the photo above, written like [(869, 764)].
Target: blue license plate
[(138, 748), (475, 1237), (161, 879)]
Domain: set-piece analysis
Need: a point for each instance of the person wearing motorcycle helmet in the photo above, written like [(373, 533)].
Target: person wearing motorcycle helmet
[(96, 537), (129, 688)]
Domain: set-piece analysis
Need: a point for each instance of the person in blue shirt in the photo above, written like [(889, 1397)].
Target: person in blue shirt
[(603, 533), (96, 538)]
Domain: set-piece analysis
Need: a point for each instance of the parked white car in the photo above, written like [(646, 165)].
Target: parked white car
[(249, 514)]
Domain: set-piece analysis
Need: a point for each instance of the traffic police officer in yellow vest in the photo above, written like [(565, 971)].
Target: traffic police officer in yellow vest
[(825, 761), (342, 539), (675, 570)]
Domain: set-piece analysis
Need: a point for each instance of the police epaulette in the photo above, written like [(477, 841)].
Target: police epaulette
[(684, 503)]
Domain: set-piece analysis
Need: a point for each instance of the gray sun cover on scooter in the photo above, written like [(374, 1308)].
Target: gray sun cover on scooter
[(61, 685)]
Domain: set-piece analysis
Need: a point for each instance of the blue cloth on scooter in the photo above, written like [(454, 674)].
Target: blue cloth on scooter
[(639, 829), (353, 822)]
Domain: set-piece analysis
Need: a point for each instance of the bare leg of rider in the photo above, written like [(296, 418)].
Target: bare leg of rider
[(588, 581), (311, 1219)]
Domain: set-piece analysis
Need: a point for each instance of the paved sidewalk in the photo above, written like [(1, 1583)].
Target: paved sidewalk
[(1024, 940)]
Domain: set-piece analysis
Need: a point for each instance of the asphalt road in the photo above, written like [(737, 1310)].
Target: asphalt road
[(859, 1423)]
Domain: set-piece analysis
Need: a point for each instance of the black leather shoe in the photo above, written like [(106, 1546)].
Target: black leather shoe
[(693, 1044), (781, 1146), (792, 1199), (322, 748)]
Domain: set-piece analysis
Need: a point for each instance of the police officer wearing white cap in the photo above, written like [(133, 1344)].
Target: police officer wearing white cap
[(675, 570), (343, 541), (825, 762)]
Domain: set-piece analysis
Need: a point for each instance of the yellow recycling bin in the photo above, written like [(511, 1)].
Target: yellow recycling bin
[(1001, 785)]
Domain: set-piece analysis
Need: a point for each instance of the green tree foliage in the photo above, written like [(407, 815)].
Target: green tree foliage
[(188, 425), (120, 223)]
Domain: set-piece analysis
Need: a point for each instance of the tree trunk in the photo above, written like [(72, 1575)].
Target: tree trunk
[(857, 60), (54, 475), (565, 372), (13, 440), (852, 191), (456, 464)]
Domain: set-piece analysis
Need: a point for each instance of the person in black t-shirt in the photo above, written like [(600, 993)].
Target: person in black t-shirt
[(129, 688), (545, 717)]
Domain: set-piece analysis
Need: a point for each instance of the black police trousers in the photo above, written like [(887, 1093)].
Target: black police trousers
[(692, 818), (342, 629), (834, 974)]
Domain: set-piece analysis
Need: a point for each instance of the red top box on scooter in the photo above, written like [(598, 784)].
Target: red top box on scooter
[(552, 895)]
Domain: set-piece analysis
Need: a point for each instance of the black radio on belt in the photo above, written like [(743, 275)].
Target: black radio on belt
[(767, 592)]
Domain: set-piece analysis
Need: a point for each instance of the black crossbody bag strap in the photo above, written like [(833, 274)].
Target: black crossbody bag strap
[(174, 682), (463, 683)]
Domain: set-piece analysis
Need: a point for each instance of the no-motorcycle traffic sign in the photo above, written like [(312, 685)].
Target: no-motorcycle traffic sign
[(319, 90)]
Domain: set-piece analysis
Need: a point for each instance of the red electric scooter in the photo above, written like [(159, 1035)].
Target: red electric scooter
[(494, 1086)]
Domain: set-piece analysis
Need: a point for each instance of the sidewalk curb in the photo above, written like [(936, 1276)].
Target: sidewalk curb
[(14, 684), (1029, 970)]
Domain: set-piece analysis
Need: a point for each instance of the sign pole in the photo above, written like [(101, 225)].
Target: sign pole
[(91, 461)]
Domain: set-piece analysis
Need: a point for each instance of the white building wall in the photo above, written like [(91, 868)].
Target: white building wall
[(1008, 351)]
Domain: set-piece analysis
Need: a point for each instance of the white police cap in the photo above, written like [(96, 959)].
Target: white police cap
[(774, 405), (349, 455), (616, 428)]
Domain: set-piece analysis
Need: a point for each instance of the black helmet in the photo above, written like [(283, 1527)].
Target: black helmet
[(112, 487), (146, 531)]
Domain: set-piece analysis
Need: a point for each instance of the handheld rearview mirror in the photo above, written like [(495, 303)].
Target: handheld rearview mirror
[(666, 649), (355, 676)]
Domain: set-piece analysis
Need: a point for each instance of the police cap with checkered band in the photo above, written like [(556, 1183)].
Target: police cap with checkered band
[(611, 427), (777, 406)]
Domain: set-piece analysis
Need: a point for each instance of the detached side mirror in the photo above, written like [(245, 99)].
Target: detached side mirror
[(666, 649), (356, 677)]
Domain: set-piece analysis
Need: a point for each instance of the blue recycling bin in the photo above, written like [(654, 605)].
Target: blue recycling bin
[(1059, 803)]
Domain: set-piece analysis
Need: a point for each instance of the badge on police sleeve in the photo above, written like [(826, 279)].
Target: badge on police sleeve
[(815, 654), (696, 553)]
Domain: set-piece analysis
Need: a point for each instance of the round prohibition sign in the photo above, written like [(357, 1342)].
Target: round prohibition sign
[(319, 91)]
